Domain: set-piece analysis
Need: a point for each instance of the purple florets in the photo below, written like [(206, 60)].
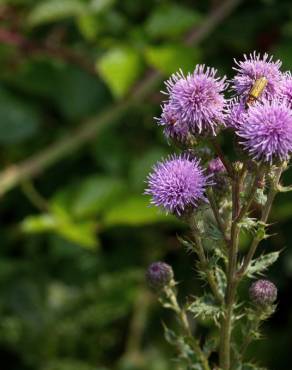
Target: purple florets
[(173, 127), (266, 130), (254, 67), (159, 275), (263, 292), (286, 88), (234, 112), (177, 183), (196, 101)]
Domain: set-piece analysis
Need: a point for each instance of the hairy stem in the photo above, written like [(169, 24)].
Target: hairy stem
[(184, 323), (264, 218), (217, 215), (204, 262), (226, 324), (251, 195)]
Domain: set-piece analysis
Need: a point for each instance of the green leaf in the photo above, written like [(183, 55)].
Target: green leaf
[(98, 6), (186, 354), (249, 366), (95, 194), (120, 67), (210, 345), (142, 165), (260, 196), (69, 364), (18, 120), (171, 20), (260, 264), (134, 211), (221, 280), (89, 26), (205, 308), (55, 10), (169, 58), (81, 233)]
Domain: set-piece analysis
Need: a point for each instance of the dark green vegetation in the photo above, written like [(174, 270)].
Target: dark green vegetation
[(76, 238)]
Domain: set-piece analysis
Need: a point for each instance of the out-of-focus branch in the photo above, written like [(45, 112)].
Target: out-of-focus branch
[(29, 47), (29, 168)]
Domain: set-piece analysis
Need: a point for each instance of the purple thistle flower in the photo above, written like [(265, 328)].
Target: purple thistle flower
[(159, 275), (177, 183), (216, 166), (234, 113), (286, 88), (254, 67), (267, 130), (263, 292), (197, 99), (173, 128)]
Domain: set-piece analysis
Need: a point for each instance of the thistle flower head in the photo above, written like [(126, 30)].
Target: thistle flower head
[(263, 292), (287, 87), (267, 130), (234, 112), (253, 67), (159, 275), (197, 99), (173, 127), (177, 183)]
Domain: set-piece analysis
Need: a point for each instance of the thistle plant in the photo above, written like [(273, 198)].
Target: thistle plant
[(221, 197)]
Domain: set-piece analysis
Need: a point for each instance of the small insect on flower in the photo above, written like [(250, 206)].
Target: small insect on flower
[(250, 73), (257, 90)]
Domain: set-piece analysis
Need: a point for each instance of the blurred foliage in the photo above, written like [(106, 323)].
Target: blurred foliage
[(76, 240)]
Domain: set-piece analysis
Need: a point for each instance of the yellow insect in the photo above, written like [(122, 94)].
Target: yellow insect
[(257, 90)]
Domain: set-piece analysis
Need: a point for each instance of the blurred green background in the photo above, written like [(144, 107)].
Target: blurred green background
[(77, 237)]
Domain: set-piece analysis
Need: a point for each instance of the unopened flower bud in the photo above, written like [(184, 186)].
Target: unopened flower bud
[(219, 176), (216, 166), (159, 275), (238, 166), (263, 292)]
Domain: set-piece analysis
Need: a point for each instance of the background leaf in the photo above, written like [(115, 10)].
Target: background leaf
[(55, 10), (171, 20), (120, 67), (170, 58)]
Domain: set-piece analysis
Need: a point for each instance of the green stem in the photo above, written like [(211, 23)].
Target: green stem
[(264, 218), (251, 195), (204, 262), (184, 323), (217, 215), (226, 324)]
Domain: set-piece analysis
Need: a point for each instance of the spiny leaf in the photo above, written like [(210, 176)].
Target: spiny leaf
[(210, 345), (260, 264), (187, 244), (221, 280), (205, 308), (186, 353), (249, 366)]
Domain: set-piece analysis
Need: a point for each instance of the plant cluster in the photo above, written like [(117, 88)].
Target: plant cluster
[(221, 197)]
